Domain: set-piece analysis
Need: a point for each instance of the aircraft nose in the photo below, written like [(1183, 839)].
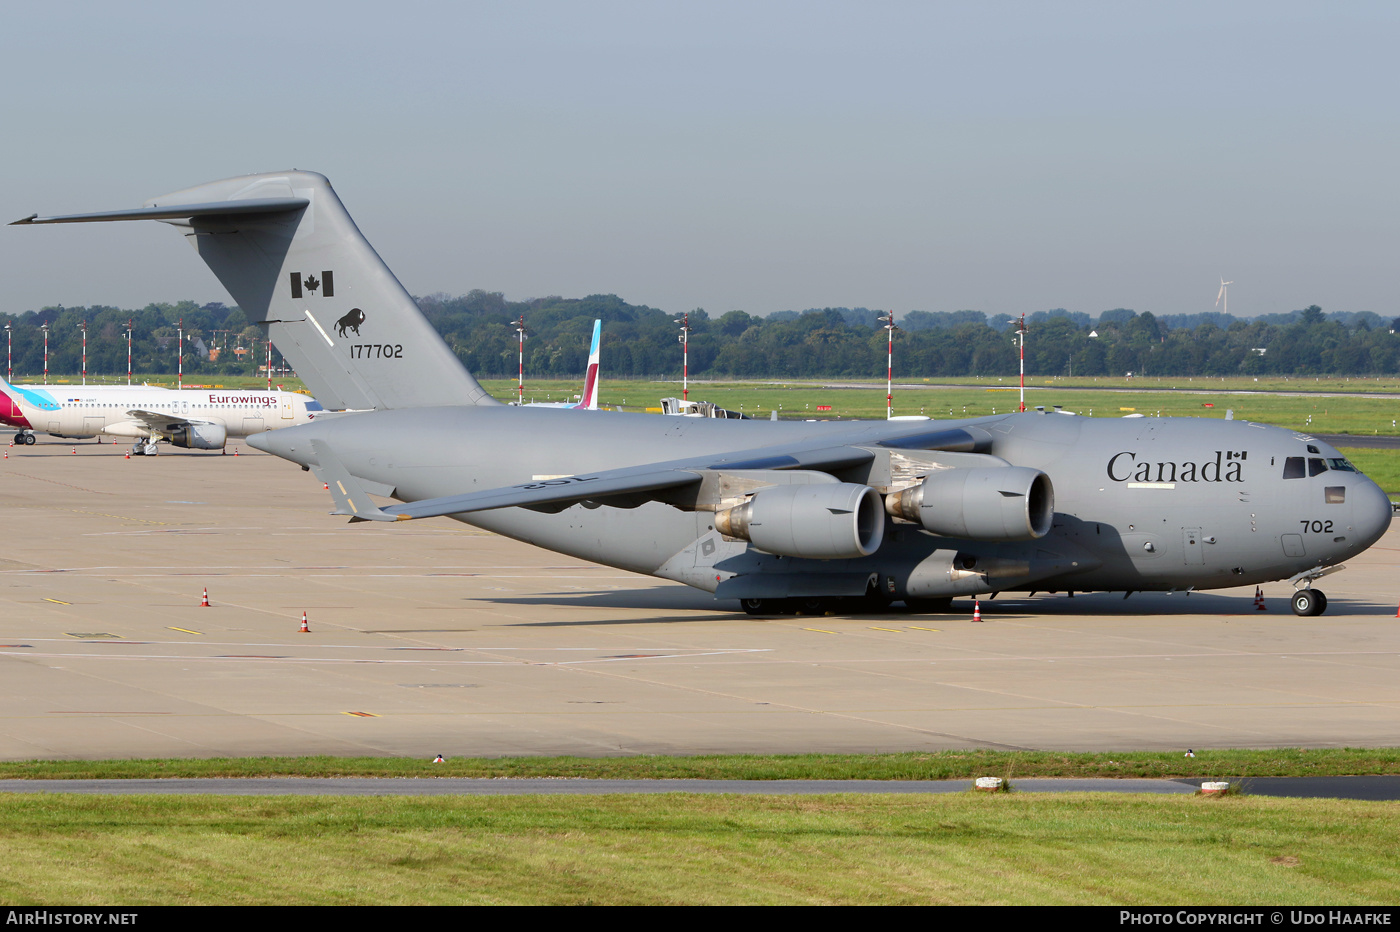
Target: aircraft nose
[(1370, 512)]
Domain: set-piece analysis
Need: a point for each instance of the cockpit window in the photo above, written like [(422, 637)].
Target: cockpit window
[(1340, 464), (1293, 468), (313, 405), (1316, 466)]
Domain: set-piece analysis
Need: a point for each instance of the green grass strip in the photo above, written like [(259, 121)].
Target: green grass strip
[(939, 765), (958, 848)]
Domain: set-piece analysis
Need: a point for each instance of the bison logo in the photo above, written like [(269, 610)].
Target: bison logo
[(351, 321)]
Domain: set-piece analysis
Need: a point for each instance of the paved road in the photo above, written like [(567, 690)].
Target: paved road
[(430, 637)]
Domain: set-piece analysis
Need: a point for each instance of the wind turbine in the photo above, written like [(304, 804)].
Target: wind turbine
[(1223, 295)]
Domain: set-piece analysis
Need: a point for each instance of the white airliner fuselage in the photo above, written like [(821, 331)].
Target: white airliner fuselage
[(200, 419)]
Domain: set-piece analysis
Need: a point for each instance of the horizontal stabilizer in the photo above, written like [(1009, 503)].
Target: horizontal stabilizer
[(257, 205)]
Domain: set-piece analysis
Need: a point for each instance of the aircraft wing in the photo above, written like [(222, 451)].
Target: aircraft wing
[(155, 421), (642, 480)]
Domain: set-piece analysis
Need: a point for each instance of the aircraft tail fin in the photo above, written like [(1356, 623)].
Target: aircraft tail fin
[(294, 261), (589, 401)]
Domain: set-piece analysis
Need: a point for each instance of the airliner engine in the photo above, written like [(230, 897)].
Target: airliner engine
[(824, 522), (995, 504), (200, 437)]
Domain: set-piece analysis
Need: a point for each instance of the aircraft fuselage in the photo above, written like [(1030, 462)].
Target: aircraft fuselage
[(1140, 504)]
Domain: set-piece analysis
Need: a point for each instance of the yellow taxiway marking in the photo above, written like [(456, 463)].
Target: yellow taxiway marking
[(186, 630), (819, 630), (891, 630), (58, 602), (917, 628)]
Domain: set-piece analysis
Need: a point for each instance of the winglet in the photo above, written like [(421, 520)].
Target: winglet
[(350, 497)]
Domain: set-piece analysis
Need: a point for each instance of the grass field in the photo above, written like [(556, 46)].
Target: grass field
[(940, 765), (960, 848), (1330, 414), (1336, 412)]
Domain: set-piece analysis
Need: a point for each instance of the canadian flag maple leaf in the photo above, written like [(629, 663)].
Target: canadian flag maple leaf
[(311, 283)]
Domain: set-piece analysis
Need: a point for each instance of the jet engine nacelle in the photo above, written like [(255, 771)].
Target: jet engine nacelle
[(831, 521), (994, 504), (200, 437)]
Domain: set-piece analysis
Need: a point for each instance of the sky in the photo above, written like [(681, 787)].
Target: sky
[(996, 156)]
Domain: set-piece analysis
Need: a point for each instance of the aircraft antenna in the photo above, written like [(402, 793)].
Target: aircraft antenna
[(890, 328), (1223, 295)]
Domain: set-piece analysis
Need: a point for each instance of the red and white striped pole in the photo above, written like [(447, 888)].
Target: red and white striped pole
[(128, 351), (84, 329), (684, 321), (1022, 333), (180, 337), (889, 364), (269, 364), (520, 375), (45, 328)]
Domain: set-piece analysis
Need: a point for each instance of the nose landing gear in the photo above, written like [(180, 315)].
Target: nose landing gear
[(1309, 602)]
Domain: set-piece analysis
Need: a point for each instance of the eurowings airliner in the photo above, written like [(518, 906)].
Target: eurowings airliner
[(197, 419)]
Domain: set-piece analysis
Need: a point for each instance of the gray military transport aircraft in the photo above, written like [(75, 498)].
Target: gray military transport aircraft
[(785, 517)]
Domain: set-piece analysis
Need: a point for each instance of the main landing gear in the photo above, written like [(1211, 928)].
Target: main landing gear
[(144, 448), (871, 603), (24, 438)]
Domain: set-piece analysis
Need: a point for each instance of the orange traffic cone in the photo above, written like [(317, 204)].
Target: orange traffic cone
[(1259, 600), (235, 451), (976, 610), (305, 629), (75, 451), (325, 486), (1397, 611), (128, 454), (204, 602)]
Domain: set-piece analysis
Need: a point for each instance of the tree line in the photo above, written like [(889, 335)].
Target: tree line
[(640, 341)]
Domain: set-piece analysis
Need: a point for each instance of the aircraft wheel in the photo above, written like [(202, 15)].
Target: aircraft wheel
[(929, 606), (19, 438), (811, 606), (1309, 602), (29, 440), (757, 606)]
